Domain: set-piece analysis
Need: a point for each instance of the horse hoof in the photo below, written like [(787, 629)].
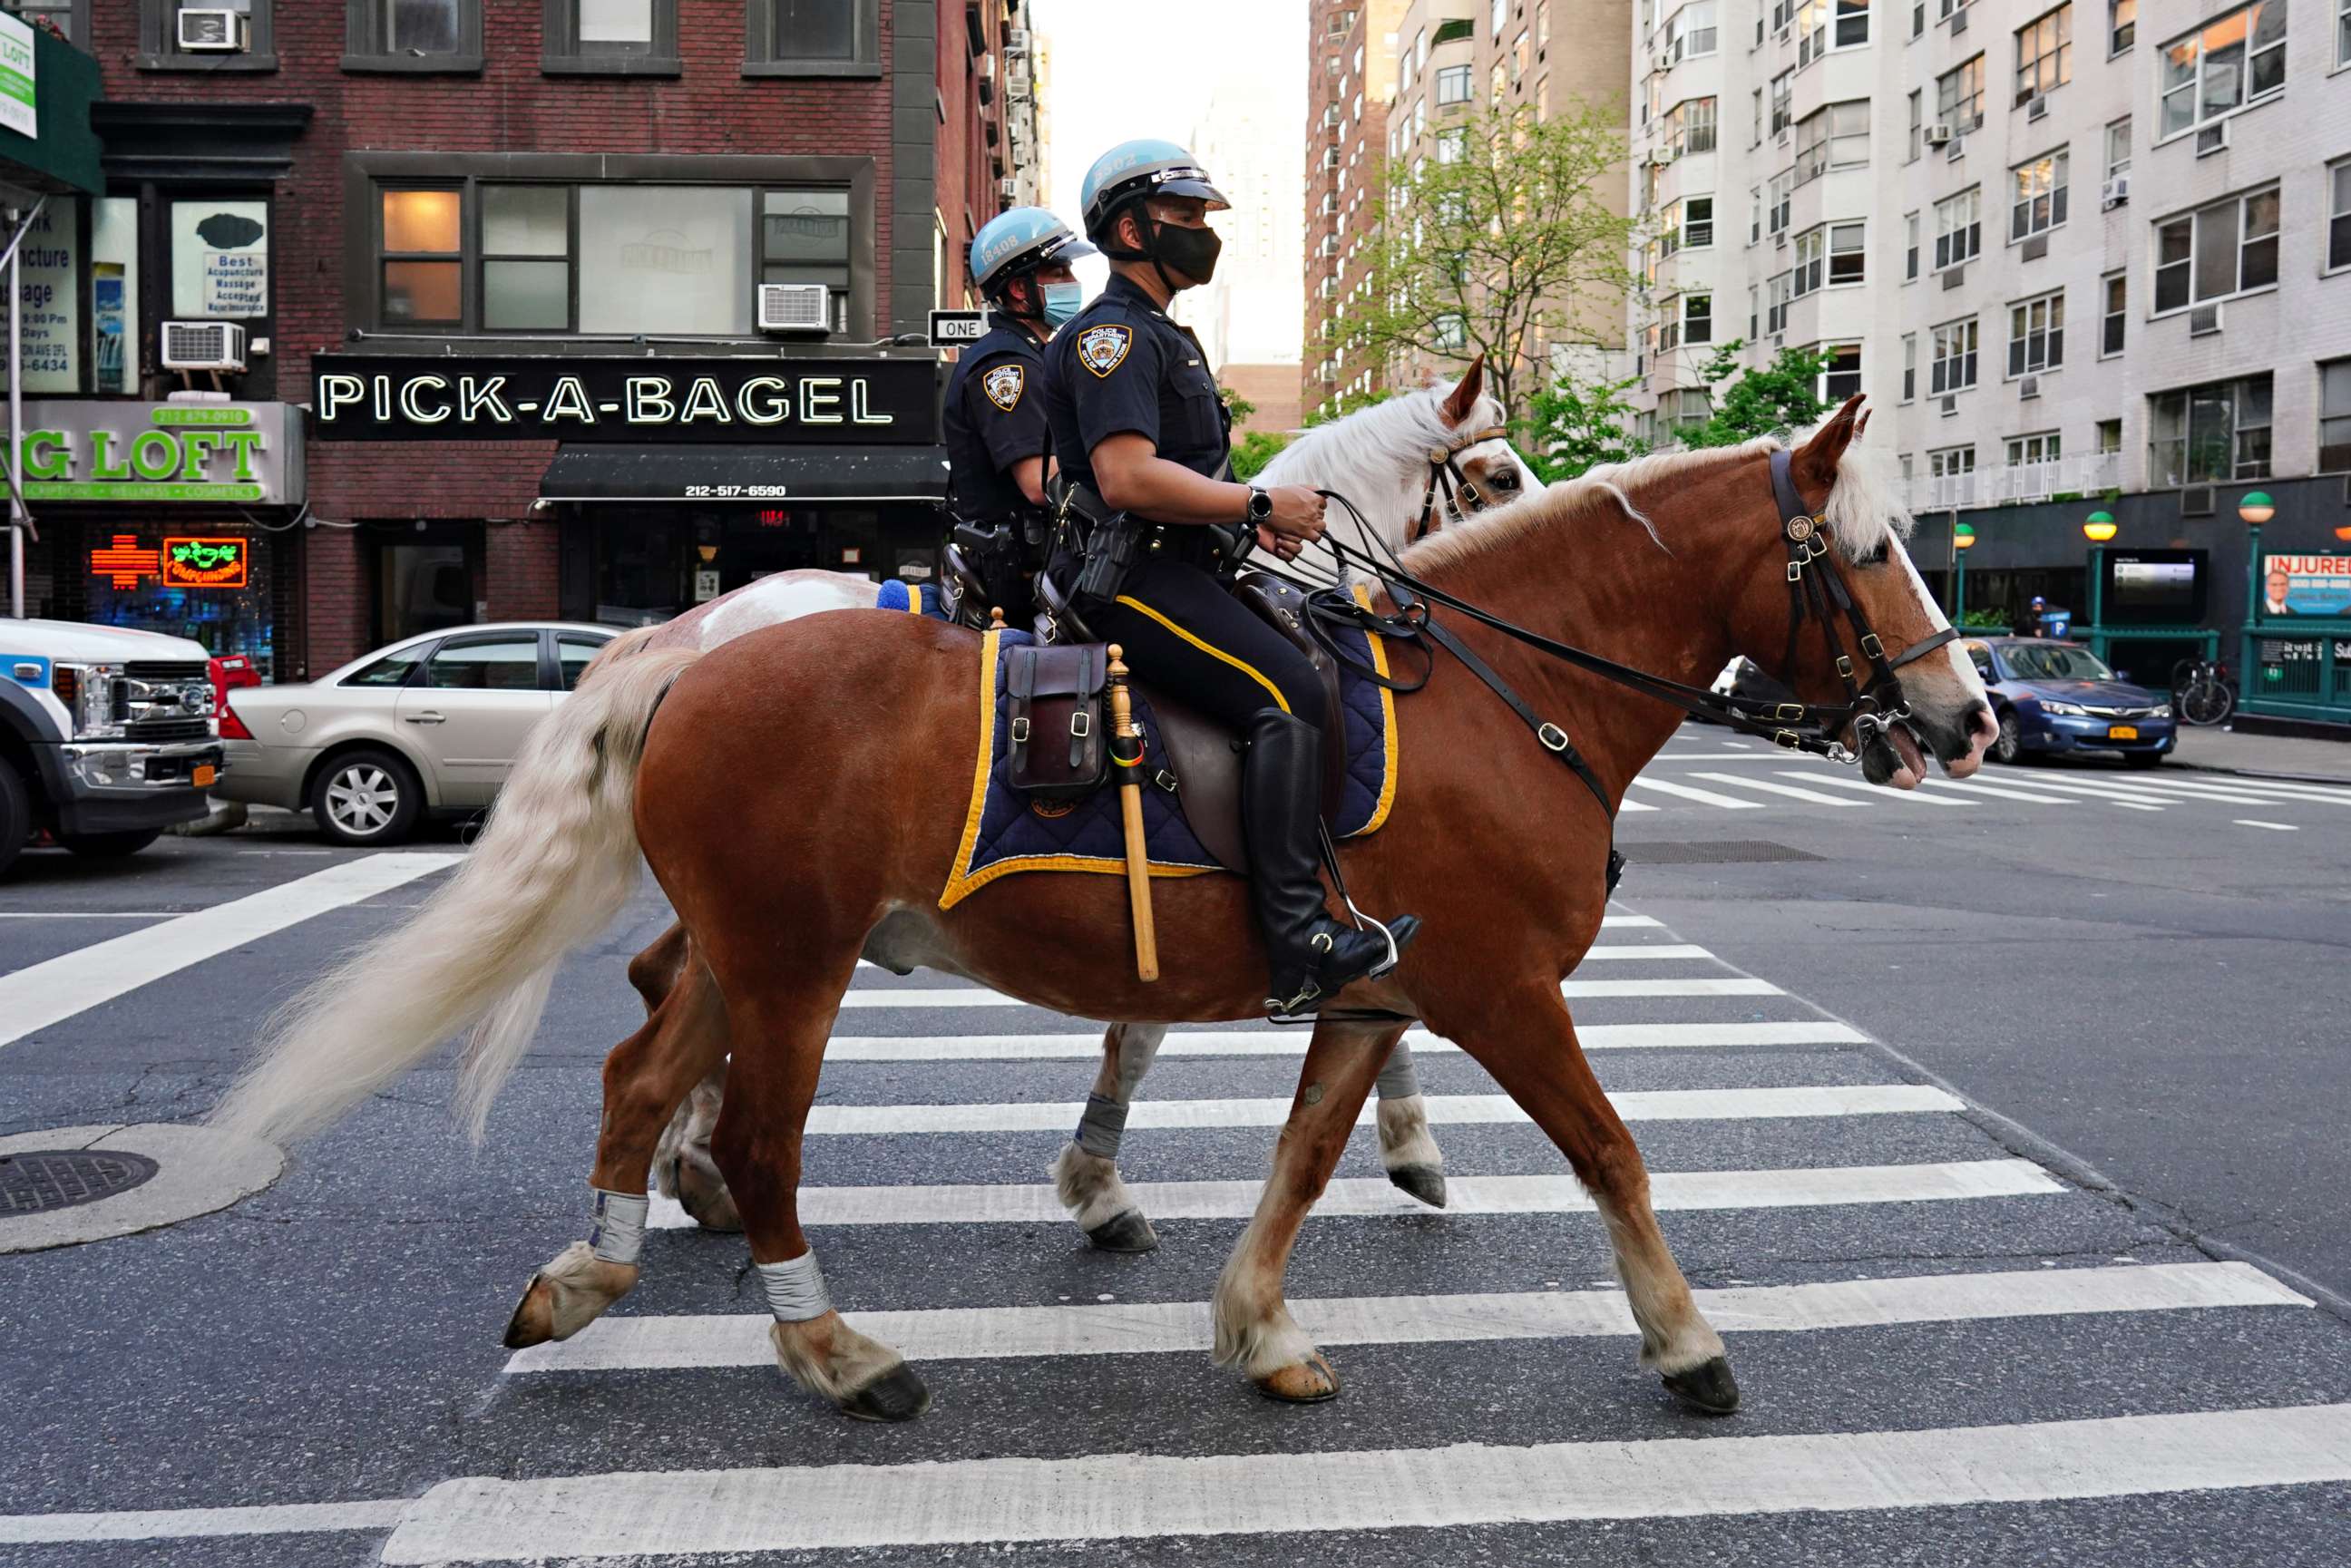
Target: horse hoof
[(898, 1394), (1426, 1183), (702, 1193), (534, 1316), (1707, 1388), (1126, 1232), (1306, 1383)]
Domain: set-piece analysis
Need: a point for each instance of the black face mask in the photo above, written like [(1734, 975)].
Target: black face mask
[(1192, 251)]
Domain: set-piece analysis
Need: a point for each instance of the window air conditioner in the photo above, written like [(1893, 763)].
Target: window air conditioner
[(795, 308), (2029, 387), (2117, 191), (1660, 156), (2204, 321), (1950, 407), (209, 31), (1938, 136), (203, 345), (1009, 188), (1016, 40), (2211, 138), (1665, 61), (1956, 151), (1959, 21), (2038, 108)]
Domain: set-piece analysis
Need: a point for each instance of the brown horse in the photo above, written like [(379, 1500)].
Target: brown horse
[(793, 838)]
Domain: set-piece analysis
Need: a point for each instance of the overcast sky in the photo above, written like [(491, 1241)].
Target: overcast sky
[(1125, 69)]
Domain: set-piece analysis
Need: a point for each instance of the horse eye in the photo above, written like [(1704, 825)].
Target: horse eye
[(1876, 557)]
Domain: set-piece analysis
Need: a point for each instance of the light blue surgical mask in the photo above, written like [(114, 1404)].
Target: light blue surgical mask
[(1062, 301)]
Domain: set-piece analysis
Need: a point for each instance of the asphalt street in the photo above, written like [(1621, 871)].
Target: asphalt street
[(1964, 1119)]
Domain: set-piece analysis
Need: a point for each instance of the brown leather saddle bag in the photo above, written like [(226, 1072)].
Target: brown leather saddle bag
[(1056, 740)]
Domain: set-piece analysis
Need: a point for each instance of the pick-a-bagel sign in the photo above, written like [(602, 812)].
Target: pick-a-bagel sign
[(746, 400)]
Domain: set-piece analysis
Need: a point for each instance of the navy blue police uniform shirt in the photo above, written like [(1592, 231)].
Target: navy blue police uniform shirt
[(1121, 365), (994, 418)]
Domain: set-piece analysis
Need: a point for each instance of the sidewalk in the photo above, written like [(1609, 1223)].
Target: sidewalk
[(2280, 756)]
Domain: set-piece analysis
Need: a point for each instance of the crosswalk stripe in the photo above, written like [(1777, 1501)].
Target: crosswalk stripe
[(1704, 797), (1360, 1196), (978, 996), (1619, 950), (1790, 790), (2274, 827), (1629, 804), (1863, 786), (1129, 1496), (40, 994), (2003, 791), (1632, 1105), (1292, 1042), (183, 1523), (2278, 788), (2162, 790), (2238, 794), (1629, 922), (671, 1342), (2121, 794)]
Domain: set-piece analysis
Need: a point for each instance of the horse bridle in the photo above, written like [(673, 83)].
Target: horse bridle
[(1462, 497), (1817, 590)]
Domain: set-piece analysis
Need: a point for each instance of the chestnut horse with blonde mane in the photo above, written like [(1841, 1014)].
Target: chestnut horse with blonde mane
[(793, 838)]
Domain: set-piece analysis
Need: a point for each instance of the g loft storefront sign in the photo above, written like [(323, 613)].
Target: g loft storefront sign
[(162, 452), (369, 397)]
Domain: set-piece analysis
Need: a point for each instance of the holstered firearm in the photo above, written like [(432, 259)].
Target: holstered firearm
[(1126, 758)]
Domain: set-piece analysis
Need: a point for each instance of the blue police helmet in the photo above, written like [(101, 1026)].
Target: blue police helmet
[(1133, 169), (1021, 240)]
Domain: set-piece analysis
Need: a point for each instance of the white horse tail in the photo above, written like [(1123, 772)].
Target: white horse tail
[(554, 862)]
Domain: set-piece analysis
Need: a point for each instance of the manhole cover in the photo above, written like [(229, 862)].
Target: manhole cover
[(41, 1179), (1719, 852)]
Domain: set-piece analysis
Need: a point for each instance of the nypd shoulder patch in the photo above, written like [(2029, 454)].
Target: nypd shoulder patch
[(1103, 349), (1004, 384)]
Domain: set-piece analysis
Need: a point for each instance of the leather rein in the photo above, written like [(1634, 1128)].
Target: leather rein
[(1817, 591), (1462, 496)]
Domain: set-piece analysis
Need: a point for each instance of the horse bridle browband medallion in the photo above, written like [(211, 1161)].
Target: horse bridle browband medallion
[(1462, 496)]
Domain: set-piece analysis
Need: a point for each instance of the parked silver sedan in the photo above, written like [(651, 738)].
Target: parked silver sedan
[(431, 723)]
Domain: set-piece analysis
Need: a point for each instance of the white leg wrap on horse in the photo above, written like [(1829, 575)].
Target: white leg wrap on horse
[(795, 1289), (616, 1229), (1397, 1080), (1102, 1127)]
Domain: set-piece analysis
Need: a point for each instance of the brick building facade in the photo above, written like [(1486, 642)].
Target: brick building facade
[(494, 185)]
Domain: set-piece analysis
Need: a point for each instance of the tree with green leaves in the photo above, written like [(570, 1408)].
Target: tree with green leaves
[(1571, 428), (1502, 243), (1781, 396), (1254, 450)]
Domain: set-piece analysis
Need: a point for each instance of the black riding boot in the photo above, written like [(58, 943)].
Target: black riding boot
[(1313, 957)]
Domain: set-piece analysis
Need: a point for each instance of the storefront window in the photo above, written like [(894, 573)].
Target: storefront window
[(201, 581), (220, 259), (114, 294)]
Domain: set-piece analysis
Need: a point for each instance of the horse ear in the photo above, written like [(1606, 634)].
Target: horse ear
[(1815, 461), (1464, 399)]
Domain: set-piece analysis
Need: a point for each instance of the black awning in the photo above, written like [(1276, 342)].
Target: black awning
[(773, 475)]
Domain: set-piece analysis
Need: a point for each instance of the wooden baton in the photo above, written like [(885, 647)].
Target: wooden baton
[(1126, 756)]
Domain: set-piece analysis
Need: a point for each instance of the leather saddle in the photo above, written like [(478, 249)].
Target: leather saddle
[(1203, 755)]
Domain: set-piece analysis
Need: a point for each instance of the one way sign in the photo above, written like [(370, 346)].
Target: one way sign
[(953, 328)]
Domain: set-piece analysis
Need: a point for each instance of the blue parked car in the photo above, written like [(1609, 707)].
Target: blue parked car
[(2059, 696)]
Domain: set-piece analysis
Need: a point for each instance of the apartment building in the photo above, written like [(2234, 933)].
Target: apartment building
[(2096, 254), (1350, 82), (1248, 317), (1456, 56)]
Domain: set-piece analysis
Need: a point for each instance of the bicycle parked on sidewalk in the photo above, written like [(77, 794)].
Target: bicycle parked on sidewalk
[(2200, 692)]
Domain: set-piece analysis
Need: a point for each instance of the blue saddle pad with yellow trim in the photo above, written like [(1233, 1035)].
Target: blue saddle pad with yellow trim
[(1007, 832)]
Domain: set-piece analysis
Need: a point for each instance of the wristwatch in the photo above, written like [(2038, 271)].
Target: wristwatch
[(1261, 505)]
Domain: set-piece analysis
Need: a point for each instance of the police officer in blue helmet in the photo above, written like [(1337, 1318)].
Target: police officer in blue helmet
[(995, 437), (1144, 445)]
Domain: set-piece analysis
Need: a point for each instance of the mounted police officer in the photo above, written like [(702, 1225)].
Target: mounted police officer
[(996, 437), (1144, 442)]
